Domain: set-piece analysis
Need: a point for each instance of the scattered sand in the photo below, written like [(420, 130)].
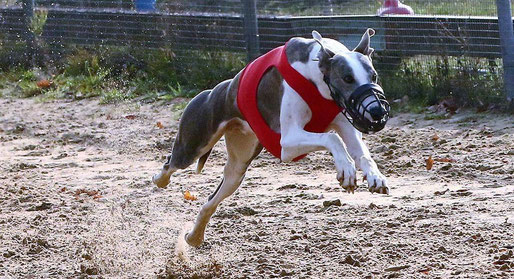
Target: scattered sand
[(182, 248), (76, 200)]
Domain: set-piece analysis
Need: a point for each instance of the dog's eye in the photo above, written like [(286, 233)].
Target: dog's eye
[(348, 79)]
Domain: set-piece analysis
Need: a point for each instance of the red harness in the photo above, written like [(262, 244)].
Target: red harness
[(323, 110)]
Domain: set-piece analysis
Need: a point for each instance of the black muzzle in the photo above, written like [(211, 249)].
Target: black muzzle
[(355, 111)]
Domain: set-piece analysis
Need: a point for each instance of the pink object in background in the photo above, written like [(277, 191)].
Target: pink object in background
[(394, 7)]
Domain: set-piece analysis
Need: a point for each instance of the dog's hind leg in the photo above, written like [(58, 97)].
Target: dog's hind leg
[(186, 158), (184, 155), (242, 148), (201, 126), (163, 177)]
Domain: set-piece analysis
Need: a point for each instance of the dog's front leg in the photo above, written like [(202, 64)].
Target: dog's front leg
[(295, 141), (298, 142), (377, 182)]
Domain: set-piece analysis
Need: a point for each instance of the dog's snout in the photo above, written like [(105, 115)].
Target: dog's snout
[(377, 112)]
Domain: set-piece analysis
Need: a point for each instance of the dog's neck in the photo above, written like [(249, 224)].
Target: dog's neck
[(311, 71)]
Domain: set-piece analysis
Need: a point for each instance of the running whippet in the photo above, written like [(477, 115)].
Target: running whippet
[(286, 101)]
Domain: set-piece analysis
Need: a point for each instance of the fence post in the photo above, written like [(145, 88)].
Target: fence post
[(507, 46), (251, 29), (28, 14)]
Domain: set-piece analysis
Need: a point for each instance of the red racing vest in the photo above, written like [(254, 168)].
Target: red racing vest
[(323, 110)]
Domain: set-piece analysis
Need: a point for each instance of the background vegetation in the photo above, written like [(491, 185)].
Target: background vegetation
[(456, 81), (119, 74), (336, 7), (123, 73)]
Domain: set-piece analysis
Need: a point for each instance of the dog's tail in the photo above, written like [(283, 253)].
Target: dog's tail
[(202, 160)]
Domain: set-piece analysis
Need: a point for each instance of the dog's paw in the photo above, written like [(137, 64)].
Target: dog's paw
[(350, 188), (377, 182), (161, 180), (347, 177), (192, 240)]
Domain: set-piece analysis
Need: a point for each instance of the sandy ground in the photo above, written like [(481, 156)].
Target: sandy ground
[(76, 201)]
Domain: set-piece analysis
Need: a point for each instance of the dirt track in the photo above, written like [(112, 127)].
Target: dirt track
[(76, 200)]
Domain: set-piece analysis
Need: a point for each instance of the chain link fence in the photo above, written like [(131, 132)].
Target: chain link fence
[(437, 47), (276, 7)]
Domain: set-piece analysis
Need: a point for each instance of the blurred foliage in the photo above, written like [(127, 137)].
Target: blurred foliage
[(12, 54), (117, 74), (121, 73), (428, 80), (38, 21), (27, 84), (332, 7)]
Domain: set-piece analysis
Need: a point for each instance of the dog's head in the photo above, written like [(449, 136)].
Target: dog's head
[(352, 81)]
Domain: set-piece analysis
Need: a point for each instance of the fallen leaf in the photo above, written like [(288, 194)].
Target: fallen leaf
[(425, 271), (430, 162), (130, 116), (445, 160), (91, 193), (159, 125), (63, 189), (44, 83), (435, 137), (189, 197)]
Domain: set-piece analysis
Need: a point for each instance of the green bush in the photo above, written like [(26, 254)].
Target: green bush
[(471, 82), (12, 55), (81, 62), (27, 84), (120, 74)]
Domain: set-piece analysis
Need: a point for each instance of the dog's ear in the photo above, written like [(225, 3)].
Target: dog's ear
[(363, 46), (325, 55), (316, 35)]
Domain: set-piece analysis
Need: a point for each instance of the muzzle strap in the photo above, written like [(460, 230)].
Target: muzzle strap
[(363, 88), (354, 110)]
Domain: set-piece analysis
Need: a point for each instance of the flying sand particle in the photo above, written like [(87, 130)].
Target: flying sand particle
[(181, 248)]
